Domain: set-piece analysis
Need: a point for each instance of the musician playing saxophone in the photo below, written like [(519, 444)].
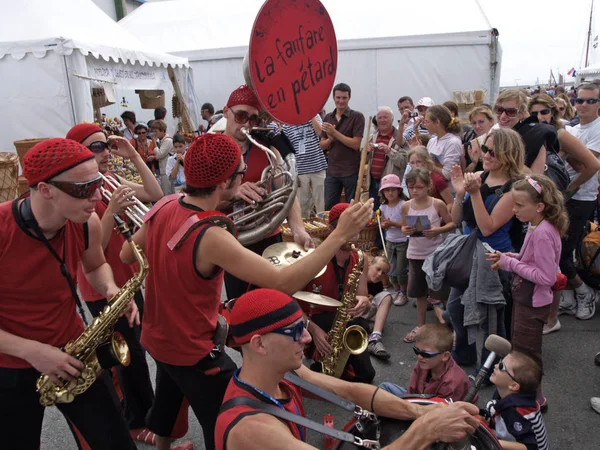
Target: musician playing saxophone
[(188, 245), (44, 238), (242, 111), (134, 379)]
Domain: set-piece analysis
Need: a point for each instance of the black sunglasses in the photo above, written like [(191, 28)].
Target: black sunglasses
[(425, 354), (79, 189), (510, 112), (503, 368), (543, 112), (294, 332), (241, 117), (99, 146), (589, 101), (486, 149)]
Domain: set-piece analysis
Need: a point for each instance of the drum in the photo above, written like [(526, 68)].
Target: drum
[(391, 429), (9, 171)]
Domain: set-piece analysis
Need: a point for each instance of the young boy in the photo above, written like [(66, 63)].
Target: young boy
[(175, 164), (379, 308), (435, 373), (515, 413)]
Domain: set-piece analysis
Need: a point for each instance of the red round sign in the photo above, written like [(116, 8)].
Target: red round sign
[(293, 59)]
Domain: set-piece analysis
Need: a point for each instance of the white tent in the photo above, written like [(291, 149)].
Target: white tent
[(387, 48), (53, 53), (590, 73)]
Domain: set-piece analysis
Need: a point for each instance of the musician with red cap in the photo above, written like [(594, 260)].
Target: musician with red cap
[(134, 379), (242, 111), (272, 332), (45, 236), (188, 245)]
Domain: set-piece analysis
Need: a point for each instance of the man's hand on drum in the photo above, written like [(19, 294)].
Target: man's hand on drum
[(250, 192), (450, 423)]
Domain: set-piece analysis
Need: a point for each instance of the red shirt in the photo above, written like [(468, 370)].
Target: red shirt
[(37, 303), (378, 160), (438, 185), (452, 383), (229, 417), (122, 272), (181, 306)]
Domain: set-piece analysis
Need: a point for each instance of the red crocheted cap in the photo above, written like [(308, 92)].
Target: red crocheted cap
[(336, 212), (82, 131), (260, 312), (210, 160), (52, 157), (243, 96)]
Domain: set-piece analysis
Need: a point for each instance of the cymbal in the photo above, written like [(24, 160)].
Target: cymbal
[(316, 299), (284, 254)]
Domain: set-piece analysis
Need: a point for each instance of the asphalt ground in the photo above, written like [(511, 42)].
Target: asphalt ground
[(570, 380)]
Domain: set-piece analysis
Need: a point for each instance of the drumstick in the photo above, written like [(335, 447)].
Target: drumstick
[(363, 161), (377, 213)]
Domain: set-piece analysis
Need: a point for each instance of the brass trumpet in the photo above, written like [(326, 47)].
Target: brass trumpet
[(135, 212)]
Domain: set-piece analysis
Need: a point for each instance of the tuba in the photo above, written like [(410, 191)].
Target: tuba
[(90, 347), (346, 340)]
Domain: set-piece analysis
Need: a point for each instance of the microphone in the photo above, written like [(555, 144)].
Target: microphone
[(498, 347)]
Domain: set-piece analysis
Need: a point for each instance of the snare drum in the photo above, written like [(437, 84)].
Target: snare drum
[(392, 429)]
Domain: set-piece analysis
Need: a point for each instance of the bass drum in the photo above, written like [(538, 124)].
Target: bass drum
[(391, 429)]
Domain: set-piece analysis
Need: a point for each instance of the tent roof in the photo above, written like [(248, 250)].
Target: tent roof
[(38, 26), (590, 70), (191, 25)]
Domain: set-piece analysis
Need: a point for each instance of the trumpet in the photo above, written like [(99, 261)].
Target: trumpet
[(135, 212)]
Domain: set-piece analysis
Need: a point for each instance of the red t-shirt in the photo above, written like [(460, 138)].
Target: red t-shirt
[(452, 383), (378, 161), (122, 272), (229, 417), (181, 306), (438, 185), (36, 301)]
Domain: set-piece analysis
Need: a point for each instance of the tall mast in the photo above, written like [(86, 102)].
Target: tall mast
[(587, 49)]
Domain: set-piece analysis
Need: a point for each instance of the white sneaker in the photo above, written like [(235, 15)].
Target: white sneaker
[(595, 404), (568, 304), (400, 299), (586, 304)]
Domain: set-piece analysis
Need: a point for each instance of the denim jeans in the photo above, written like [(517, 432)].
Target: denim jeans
[(392, 388), (334, 186)]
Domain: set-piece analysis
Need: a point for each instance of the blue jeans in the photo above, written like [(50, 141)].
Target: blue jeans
[(392, 388), (334, 186)]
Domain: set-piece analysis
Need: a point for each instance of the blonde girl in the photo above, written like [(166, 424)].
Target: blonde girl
[(446, 147)]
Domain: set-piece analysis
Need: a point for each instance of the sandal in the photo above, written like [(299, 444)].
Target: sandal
[(411, 337)]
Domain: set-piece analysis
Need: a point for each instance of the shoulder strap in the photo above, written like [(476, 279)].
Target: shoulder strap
[(159, 204), (86, 235), (197, 220), (320, 392)]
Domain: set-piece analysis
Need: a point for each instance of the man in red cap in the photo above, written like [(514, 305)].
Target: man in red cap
[(242, 111), (134, 379), (189, 245), (271, 330), (44, 238)]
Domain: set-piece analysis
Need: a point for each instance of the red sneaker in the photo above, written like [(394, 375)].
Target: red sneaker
[(143, 435)]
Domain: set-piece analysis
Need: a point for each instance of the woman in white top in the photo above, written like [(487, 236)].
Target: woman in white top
[(446, 147)]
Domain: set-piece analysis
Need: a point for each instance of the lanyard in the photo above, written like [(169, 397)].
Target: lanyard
[(270, 399), (340, 275)]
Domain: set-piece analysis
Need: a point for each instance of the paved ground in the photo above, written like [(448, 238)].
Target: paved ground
[(571, 379)]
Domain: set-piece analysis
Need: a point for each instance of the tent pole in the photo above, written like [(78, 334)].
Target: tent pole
[(120, 9), (74, 122), (185, 115)]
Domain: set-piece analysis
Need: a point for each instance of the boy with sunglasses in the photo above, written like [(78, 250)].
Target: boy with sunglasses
[(514, 413), (436, 373), (45, 237), (269, 327)]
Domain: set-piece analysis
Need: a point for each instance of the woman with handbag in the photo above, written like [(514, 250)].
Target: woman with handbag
[(480, 202)]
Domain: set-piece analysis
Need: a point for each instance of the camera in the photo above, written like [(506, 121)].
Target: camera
[(375, 146), (413, 114)]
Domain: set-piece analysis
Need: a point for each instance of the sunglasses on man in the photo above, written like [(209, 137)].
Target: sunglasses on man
[(589, 101), (295, 332), (510, 112), (79, 189), (424, 354), (241, 117), (99, 146)]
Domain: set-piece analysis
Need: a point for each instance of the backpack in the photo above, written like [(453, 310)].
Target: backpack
[(588, 256)]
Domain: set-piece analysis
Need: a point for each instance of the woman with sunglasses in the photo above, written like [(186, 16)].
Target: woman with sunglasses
[(145, 147), (45, 237), (483, 211), (482, 121), (565, 109)]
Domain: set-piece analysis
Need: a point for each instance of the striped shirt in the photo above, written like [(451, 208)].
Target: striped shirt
[(409, 133), (309, 155), (378, 161)]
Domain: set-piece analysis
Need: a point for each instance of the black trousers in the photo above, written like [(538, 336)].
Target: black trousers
[(579, 212), (134, 379), (203, 385), (236, 287), (93, 413)]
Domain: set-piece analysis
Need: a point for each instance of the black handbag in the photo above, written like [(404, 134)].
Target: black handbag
[(458, 270)]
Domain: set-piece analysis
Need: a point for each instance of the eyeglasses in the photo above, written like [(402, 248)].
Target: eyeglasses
[(79, 189), (294, 332), (510, 112), (142, 132), (589, 101), (242, 172), (486, 149), (99, 146), (241, 117), (503, 368), (424, 354), (543, 112)]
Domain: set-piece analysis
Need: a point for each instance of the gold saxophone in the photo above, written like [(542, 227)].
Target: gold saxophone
[(85, 347), (344, 340)]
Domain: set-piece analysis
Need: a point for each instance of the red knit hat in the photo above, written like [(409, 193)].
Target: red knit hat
[(260, 312), (52, 157), (243, 96), (82, 131), (210, 160), (336, 212)]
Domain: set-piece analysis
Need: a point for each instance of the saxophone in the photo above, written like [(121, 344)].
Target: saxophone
[(85, 347), (346, 340)]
